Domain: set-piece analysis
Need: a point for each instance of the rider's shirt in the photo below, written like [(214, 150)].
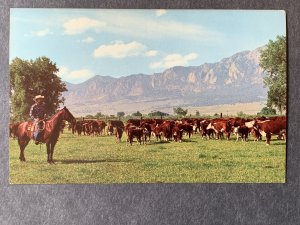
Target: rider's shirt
[(38, 111)]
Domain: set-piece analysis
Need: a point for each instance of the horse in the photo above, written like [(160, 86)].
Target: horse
[(49, 136)]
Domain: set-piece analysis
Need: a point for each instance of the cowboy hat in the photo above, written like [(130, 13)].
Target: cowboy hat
[(38, 97)]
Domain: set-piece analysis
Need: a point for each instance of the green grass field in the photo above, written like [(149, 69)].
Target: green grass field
[(101, 160)]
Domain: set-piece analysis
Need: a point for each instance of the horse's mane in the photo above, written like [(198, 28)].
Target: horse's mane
[(57, 112)]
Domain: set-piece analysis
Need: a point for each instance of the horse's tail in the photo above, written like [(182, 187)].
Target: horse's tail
[(15, 129)]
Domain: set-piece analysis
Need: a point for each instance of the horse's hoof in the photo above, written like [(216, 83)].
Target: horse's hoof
[(22, 159)]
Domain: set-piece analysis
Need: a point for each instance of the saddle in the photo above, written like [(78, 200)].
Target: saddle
[(39, 126)]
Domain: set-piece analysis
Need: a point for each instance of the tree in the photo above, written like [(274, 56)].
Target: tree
[(197, 113), (31, 78), (89, 116), (157, 114), (180, 111), (274, 62), (99, 115), (120, 114), (241, 114), (137, 113), (267, 111)]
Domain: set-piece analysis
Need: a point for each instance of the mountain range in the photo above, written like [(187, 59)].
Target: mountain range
[(236, 79)]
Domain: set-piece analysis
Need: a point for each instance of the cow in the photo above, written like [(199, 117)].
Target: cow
[(197, 125), (158, 121), (206, 133), (147, 134), (256, 135), (78, 127), (156, 131), (110, 130), (187, 128), (242, 131), (166, 129), (94, 128), (177, 134), (220, 127), (62, 126), (86, 128), (269, 127), (135, 132), (116, 123), (149, 121), (102, 126), (118, 131), (135, 122)]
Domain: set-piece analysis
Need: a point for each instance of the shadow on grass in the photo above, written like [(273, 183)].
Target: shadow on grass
[(188, 140), (278, 143), (83, 161), (158, 142)]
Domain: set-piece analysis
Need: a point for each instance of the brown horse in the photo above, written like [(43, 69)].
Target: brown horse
[(49, 136)]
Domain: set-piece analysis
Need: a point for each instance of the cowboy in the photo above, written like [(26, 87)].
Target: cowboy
[(38, 113)]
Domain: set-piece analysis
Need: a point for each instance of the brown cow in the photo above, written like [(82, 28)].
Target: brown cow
[(242, 131), (135, 132), (110, 130), (177, 134), (102, 126), (148, 130), (220, 127), (116, 123), (187, 128), (166, 129), (78, 127), (269, 127), (156, 131), (118, 133), (135, 122), (206, 133), (256, 135)]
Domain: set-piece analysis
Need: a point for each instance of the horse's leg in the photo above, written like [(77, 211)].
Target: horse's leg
[(52, 145), (48, 152), (22, 144)]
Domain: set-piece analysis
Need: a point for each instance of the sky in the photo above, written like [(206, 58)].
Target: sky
[(120, 42)]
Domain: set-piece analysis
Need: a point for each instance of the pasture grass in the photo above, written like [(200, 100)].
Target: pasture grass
[(88, 159)]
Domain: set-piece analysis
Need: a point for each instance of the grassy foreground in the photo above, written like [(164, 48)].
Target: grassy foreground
[(101, 160)]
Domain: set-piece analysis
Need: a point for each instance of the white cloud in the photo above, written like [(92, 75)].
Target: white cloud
[(174, 60), (88, 40), (120, 49), (160, 12), (151, 53), (63, 71), (74, 76), (39, 33), (80, 74), (131, 24), (82, 24)]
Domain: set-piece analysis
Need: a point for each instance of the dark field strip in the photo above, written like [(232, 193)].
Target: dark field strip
[(100, 160)]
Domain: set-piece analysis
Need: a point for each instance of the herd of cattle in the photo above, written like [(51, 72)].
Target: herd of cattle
[(218, 128)]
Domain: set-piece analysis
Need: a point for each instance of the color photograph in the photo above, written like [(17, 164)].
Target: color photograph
[(111, 96)]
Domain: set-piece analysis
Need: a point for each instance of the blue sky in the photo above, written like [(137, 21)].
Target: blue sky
[(112, 42)]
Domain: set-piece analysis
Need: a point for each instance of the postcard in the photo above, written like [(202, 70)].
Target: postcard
[(100, 96)]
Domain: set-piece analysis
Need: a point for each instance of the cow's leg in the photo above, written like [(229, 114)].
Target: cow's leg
[(228, 136), (268, 138), (22, 144)]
